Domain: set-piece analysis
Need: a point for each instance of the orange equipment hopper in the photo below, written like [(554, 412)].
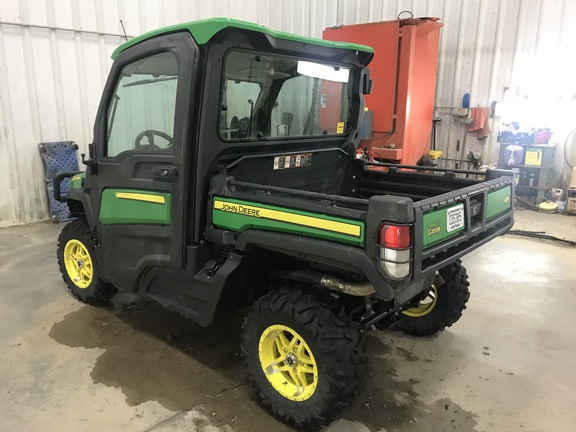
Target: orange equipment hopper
[(404, 73)]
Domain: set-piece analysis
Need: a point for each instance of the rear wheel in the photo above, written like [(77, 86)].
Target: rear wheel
[(78, 264), (439, 307), (303, 356)]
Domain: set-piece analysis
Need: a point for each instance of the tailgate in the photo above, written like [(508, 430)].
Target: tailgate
[(450, 225)]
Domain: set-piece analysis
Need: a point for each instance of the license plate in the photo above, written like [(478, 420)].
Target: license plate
[(455, 218)]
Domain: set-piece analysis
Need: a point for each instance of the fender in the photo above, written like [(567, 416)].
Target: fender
[(333, 254), (81, 197)]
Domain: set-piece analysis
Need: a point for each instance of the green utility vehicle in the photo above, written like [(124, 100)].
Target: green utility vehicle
[(224, 174)]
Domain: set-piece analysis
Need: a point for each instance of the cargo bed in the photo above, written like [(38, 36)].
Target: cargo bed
[(452, 211)]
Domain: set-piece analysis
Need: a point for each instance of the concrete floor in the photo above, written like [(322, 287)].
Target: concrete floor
[(507, 365), (561, 225)]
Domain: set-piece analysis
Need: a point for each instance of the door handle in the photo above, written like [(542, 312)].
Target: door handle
[(164, 173)]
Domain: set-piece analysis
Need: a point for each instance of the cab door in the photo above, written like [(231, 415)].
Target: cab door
[(142, 135)]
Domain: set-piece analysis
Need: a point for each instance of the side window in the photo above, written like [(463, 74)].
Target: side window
[(141, 112)]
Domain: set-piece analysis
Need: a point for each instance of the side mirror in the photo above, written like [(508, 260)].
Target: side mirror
[(367, 82), (92, 151), (91, 162)]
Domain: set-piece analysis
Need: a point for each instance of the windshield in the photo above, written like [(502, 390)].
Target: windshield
[(277, 96)]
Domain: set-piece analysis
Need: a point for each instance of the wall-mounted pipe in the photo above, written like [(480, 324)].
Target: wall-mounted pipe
[(64, 29)]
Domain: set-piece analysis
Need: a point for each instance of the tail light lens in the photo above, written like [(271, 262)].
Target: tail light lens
[(395, 250), (395, 236)]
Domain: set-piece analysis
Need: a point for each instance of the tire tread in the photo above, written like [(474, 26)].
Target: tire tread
[(98, 292), (337, 342), (449, 307)]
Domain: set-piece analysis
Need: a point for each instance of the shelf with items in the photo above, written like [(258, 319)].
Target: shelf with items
[(535, 178), (532, 158), (540, 155), (536, 188), (535, 136), (533, 166)]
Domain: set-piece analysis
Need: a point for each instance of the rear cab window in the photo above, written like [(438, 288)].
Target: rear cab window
[(274, 96)]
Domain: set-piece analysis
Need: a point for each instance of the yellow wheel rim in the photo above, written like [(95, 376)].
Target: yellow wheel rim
[(425, 306), (78, 263), (288, 363)]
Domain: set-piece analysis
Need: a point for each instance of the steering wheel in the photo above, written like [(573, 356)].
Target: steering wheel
[(149, 133)]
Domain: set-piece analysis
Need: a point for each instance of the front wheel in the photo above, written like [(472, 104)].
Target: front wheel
[(303, 356), (78, 264), (440, 306)]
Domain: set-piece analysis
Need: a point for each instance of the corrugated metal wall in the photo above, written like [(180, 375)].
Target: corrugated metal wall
[(54, 58)]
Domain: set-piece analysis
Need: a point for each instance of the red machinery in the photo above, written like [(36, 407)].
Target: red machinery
[(404, 74)]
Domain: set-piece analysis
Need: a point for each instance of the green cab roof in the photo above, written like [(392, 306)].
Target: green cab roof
[(204, 30)]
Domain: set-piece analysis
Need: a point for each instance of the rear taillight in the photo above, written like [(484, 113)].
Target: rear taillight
[(395, 250), (395, 236)]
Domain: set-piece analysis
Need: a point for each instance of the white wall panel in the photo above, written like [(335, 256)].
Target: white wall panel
[(55, 56), (50, 84)]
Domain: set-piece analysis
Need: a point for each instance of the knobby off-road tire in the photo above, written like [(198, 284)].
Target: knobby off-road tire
[(78, 265), (304, 357), (444, 306)]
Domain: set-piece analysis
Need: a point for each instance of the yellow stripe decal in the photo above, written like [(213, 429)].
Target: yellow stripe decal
[(309, 221), (158, 199)]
